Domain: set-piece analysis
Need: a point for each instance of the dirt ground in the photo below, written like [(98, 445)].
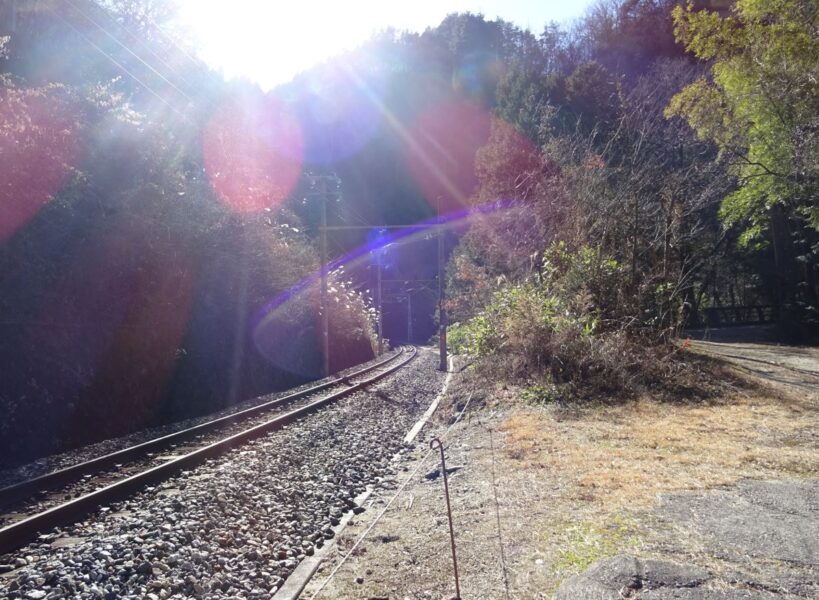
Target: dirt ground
[(792, 368), (545, 491)]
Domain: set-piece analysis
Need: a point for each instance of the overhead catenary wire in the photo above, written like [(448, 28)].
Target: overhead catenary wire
[(122, 67)]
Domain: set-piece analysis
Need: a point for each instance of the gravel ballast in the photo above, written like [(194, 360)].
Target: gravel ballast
[(238, 525)]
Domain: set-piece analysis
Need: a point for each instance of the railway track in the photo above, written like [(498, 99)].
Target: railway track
[(66, 495)]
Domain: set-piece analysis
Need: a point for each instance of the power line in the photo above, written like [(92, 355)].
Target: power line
[(128, 50), (120, 66)]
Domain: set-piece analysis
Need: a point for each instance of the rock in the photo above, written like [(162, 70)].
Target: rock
[(144, 568), (657, 573), (242, 512), (771, 520), (625, 576)]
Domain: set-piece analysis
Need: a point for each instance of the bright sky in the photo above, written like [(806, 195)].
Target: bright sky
[(270, 41)]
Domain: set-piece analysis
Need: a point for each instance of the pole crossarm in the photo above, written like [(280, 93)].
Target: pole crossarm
[(369, 227)]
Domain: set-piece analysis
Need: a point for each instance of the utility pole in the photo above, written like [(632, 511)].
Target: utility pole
[(378, 301), (409, 317), (442, 364), (323, 304)]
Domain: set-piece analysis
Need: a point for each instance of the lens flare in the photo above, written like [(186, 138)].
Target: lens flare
[(39, 143), (477, 75), (275, 329), (253, 153), (280, 337), (336, 112), (441, 153)]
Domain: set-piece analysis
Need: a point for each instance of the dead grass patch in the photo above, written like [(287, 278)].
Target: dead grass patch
[(626, 454)]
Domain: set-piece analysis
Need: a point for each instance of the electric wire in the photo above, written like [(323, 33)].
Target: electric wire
[(127, 49)]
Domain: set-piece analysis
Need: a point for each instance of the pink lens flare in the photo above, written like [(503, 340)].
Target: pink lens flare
[(441, 150), (253, 154), (39, 144)]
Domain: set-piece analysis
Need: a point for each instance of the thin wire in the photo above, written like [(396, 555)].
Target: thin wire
[(386, 508), (148, 47), (497, 514), (122, 67), (127, 49)]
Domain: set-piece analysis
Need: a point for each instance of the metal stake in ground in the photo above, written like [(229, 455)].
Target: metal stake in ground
[(432, 444)]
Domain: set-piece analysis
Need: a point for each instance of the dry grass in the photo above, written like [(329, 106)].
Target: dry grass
[(574, 485), (625, 455)]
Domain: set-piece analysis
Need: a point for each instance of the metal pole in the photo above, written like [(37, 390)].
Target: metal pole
[(323, 304), (409, 317), (442, 353), (378, 302), (432, 444)]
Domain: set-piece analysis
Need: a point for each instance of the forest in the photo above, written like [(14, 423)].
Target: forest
[(600, 187)]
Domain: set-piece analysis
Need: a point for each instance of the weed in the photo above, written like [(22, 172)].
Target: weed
[(585, 542)]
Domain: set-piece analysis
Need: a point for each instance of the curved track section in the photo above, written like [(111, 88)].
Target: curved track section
[(21, 531)]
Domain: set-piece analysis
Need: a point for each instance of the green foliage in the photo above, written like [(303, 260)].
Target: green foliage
[(552, 325), (762, 93), (589, 280), (593, 94), (539, 393)]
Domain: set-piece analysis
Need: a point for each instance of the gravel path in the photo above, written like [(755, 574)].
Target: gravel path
[(237, 526), (75, 456), (793, 367)]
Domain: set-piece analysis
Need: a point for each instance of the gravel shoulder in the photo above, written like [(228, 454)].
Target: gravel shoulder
[(642, 499)]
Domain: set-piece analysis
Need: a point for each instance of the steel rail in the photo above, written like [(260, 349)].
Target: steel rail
[(25, 489), (15, 535)]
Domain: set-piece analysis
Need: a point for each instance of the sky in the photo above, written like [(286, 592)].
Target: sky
[(270, 41)]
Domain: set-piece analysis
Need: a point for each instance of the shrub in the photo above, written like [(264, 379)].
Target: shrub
[(566, 332)]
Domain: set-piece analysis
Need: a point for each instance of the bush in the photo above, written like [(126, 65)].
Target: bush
[(566, 333), (535, 332)]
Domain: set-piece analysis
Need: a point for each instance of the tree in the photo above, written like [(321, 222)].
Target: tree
[(760, 105)]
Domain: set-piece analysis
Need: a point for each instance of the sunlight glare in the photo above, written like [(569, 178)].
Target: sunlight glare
[(270, 42)]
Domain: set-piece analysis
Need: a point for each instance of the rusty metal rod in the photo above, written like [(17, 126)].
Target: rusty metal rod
[(432, 444)]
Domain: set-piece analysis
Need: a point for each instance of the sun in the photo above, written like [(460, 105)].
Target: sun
[(269, 42)]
